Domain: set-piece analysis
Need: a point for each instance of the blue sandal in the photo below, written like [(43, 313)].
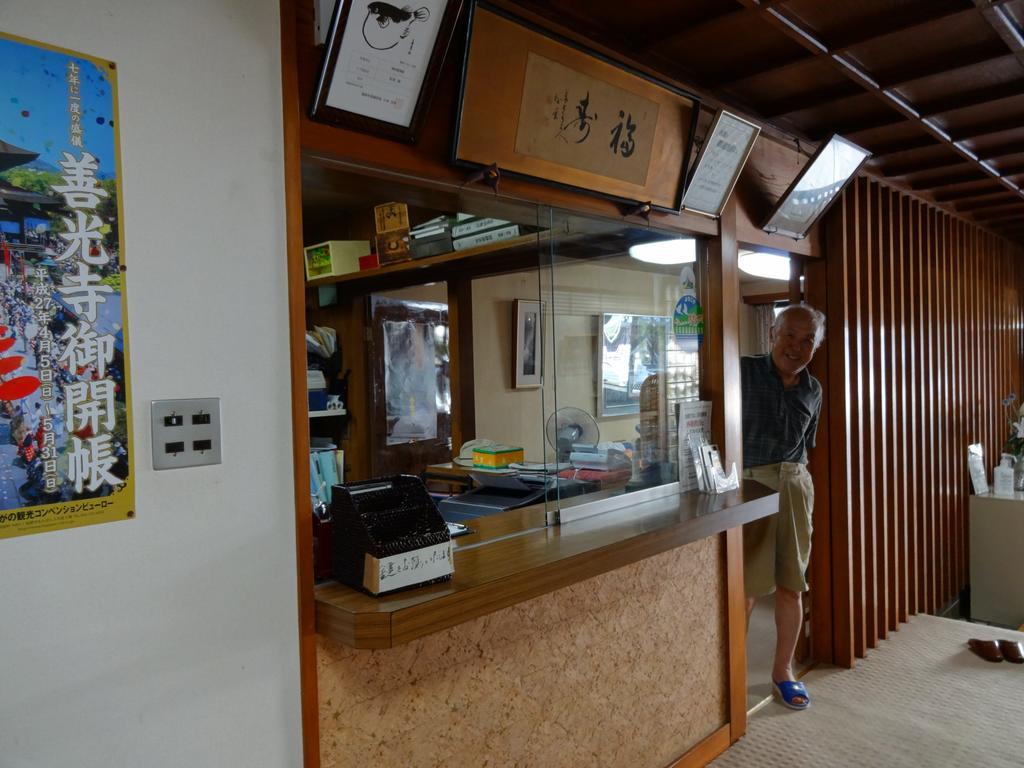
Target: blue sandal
[(788, 690)]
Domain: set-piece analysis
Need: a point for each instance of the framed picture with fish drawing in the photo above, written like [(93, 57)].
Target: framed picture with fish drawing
[(381, 64), (541, 106)]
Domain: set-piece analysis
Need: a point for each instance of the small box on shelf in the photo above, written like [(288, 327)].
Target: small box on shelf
[(334, 257)]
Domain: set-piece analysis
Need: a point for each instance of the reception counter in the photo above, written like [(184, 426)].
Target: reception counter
[(513, 556)]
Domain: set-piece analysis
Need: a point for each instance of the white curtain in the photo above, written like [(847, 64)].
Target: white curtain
[(764, 315)]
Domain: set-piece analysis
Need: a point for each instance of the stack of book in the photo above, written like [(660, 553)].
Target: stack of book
[(474, 232), (326, 469), (433, 237)]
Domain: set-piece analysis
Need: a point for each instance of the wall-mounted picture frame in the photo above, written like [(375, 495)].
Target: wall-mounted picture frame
[(816, 187), (542, 107), (722, 156), (381, 65), (527, 356), (630, 348)]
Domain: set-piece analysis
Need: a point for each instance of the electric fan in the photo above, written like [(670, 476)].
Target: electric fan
[(569, 429)]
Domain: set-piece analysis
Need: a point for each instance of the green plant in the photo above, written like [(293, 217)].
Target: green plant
[(1014, 444)]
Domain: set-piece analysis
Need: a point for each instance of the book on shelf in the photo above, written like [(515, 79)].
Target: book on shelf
[(432, 246), (326, 469), (484, 238), (472, 226)]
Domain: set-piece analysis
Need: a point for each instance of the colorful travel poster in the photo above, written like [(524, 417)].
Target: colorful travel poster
[(65, 427)]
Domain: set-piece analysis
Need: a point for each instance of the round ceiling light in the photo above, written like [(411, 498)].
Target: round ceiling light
[(772, 266), (680, 251)]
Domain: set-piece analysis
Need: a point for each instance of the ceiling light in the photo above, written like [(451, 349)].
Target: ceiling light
[(772, 266), (680, 251)]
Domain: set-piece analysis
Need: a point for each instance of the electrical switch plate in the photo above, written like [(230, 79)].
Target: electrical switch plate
[(186, 433)]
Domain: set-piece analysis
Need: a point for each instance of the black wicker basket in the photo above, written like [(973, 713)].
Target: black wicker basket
[(382, 518)]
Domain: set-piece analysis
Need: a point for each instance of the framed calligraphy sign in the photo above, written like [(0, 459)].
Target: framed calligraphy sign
[(381, 65), (540, 106)]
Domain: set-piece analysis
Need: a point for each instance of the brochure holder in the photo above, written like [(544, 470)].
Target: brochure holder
[(388, 535), (707, 464)]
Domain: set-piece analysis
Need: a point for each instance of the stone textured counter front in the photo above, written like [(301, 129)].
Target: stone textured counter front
[(514, 557), (628, 668)]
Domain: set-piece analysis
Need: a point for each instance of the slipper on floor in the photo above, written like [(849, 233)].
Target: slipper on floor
[(1012, 651), (788, 690), (987, 649)]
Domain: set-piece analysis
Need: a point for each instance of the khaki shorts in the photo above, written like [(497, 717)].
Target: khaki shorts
[(776, 548)]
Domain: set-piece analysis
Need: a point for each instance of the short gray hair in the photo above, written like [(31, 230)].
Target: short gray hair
[(817, 317)]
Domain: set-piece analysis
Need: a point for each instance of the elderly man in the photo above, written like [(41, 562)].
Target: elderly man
[(781, 401)]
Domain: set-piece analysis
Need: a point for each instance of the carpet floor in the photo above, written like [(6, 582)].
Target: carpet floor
[(920, 699)]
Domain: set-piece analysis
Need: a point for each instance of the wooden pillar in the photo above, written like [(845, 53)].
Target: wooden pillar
[(721, 384)]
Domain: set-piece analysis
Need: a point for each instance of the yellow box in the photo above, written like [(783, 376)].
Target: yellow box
[(390, 216), (335, 257), (497, 456)]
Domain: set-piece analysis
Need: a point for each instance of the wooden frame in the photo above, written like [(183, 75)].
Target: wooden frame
[(391, 59), (723, 154), (527, 355), (539, 106)]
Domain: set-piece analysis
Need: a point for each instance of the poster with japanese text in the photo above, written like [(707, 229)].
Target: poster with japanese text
[(65, 458)]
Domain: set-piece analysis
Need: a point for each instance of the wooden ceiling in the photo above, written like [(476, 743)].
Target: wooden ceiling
[(933, 88)]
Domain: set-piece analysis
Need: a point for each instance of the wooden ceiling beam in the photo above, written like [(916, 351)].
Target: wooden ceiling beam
[(1002, 218), (881, 85), (970, 172), (672, 31), (990, 127), (982, 187), (972, 195), (976, 98), (980, 53), (1005, 200), (902, 145), (1014, 210), (921, 14), (1001, 150), (817, 98), (819, 133), (779, 68), (908, 167)]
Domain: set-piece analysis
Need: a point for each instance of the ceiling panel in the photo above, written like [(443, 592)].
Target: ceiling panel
[(924, 84)]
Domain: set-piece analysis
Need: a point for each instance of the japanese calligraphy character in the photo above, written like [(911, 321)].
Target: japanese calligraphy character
[(84, 347), (81, 234), (89, 463), (84, 291), (581, 121), (80, 188), (89, 402), (626, 146)]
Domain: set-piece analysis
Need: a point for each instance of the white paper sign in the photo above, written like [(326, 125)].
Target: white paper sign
[(408, 568), (694, 418)]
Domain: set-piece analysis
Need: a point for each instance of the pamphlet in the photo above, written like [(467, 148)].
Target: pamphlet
[(694, 418)]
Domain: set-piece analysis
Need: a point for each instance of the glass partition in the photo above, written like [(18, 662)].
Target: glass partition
[(623, 335)]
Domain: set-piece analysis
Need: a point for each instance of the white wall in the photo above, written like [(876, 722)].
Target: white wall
[(171, 639)]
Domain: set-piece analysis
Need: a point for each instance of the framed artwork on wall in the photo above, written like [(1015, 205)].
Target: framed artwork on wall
[(542, 107), (526, 344), (381, 65), (722, 155)]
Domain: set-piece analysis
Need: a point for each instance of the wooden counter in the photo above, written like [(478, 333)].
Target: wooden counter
[(513, 556)]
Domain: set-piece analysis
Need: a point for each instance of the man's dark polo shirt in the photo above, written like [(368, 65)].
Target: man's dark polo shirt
[(779, 424)]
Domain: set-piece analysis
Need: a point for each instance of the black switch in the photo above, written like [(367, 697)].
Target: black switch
[(202, 445), (200, 418), (174, 421), (174, 447)]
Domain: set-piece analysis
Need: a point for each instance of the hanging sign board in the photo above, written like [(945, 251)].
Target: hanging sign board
[(65, 429)]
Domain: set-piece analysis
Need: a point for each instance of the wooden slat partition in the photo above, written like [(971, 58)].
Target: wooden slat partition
[(924, 341)]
